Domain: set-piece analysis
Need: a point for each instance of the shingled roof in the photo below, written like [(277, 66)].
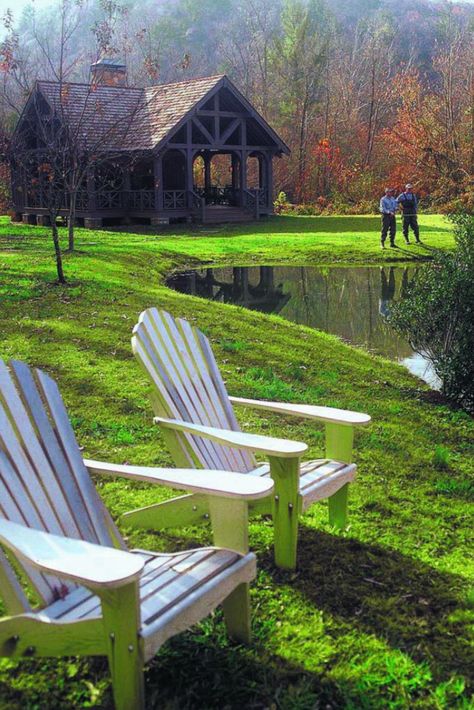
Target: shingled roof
[(125, 118)]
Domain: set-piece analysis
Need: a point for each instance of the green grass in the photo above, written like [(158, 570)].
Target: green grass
[(380, 616)]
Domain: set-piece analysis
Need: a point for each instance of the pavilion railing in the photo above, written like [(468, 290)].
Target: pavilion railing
[(255, 199), (136, 200), (110, 200), (174, 199), (219, 195), (139, 199)]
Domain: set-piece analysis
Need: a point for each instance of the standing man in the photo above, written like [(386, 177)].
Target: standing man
[(408, 201), (388, 207)]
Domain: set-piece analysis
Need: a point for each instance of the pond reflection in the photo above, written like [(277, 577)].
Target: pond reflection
[(352, 303)]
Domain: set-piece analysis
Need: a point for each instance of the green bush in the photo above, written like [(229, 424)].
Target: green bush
[(437, 316), (281, 203)]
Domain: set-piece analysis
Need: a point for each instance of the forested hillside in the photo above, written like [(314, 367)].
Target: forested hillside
[(365, 92)]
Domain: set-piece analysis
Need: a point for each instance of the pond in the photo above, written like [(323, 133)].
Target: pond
[(352, 303)]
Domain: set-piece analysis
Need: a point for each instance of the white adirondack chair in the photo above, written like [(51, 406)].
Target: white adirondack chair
[(95, 597), (197, 419)]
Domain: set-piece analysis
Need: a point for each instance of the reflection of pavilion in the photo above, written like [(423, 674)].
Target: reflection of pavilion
[(263, 296)]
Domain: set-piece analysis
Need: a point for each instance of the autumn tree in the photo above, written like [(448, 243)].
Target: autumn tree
[(299, 55)]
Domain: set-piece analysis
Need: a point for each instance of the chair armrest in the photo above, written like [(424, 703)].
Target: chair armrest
[(284, 448), (221, 484), (92, 565), (307, 411)]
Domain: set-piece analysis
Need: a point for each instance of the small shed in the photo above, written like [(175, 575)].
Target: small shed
[(194, 150)]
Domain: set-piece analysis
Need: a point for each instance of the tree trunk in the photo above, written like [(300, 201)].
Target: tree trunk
[(370, 127), (71, 220), (57, 250)]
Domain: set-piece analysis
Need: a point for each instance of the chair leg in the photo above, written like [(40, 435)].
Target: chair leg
[(285, 473), (339, 441), (121, 614), (338, 507), (237, 614), (229, 519)]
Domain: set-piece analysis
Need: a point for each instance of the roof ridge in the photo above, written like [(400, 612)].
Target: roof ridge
[(187, 81), (134, 88), (83, 83)]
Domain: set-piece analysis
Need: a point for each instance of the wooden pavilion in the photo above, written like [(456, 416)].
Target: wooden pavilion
[(161, 144)]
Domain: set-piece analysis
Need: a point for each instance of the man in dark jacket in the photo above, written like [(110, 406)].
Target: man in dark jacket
[(408, 201)]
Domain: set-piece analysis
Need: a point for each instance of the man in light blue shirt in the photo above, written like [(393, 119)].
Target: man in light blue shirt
[(388, 207)]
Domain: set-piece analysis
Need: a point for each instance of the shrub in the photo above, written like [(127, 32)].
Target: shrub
[(437, 316), (281, 203)]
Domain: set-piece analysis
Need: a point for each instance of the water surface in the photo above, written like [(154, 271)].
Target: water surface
[(351, 302)]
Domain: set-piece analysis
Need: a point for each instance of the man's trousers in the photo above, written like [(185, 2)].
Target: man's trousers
[(389, 226), (411, 220)]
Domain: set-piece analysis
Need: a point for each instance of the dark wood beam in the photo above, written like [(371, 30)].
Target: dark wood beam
[(229, 130), (219, 148), (224, 114), (217, 127), (189, 164), (203, 130)]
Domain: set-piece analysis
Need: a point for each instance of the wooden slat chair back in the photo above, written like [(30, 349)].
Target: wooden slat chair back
[(117, 603), (196, 418), (43, 481), (188, 386)]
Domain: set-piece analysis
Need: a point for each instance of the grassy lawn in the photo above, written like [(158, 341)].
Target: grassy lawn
[(380, 616)]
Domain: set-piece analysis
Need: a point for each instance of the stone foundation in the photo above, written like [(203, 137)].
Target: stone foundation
[(159, 221), (93, 222)]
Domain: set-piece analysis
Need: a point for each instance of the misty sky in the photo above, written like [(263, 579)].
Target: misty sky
[(18, 5)]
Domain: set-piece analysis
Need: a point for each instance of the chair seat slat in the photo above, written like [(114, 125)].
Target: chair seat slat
[(180, 578), (184, 584), (314, 475)]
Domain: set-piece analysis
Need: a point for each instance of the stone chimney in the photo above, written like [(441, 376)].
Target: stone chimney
[(108, 72)]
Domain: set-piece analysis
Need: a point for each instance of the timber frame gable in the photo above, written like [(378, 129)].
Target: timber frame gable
[(164, 140)]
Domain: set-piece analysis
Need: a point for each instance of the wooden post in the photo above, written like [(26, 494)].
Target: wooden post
[(158, 180), (229, 520), (285, 472), (235, 177), (269, 191), (121, 614), (261, 171), (243, 162), (207, 172), (216, 118), (126, 188), (189, 165), (91, 191), (339, 440)]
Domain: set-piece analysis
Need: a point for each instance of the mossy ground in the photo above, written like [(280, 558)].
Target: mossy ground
[(380, 616)]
